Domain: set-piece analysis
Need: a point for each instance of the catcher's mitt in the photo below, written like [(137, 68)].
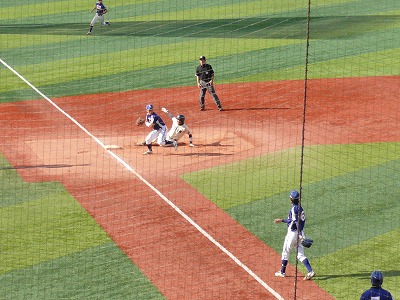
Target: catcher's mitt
[(139, 121), (307, 242)]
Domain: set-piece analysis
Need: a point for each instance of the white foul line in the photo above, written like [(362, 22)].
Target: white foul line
[(130, 169)]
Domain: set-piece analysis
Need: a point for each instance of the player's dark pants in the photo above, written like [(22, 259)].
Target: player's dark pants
[(205, 86)]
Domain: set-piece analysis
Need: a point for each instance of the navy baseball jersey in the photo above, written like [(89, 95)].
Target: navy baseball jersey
[(156, 120), (100, 8), (376, 293), (292, 221)]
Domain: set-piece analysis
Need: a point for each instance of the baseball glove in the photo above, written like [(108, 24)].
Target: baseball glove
[(139, 121), (307, 242)]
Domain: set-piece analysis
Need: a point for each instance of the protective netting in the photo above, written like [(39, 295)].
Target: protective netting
[(308, 92)]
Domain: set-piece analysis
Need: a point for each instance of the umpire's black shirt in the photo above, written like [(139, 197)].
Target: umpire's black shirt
[(205, 72)]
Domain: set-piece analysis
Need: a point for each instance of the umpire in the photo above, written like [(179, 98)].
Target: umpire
[(205, 81)]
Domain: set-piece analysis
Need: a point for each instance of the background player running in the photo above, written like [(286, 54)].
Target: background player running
[(294, 236), (101, 10), (178, 130)]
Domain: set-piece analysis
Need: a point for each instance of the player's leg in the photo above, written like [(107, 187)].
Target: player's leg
[(102, 21), (150, 137), (214, 95), (94, 20), (201, 97), (161, 136), (287, 247), (301, 256), (168, 140)]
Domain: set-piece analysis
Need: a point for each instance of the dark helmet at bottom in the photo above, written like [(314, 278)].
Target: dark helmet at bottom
[(376, 278), (181, 119)]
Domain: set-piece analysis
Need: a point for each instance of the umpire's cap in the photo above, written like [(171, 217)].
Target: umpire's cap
[(202, 57)]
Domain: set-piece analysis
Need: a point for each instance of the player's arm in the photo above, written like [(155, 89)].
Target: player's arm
[(197, 77), (190, 136), (191, 140), (167, 112), (276, 221)]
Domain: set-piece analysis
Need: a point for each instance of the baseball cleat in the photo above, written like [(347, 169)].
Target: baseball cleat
[(309, 275), (175, 143), (220, 108), (202, 108), (140, 143), (88, 33), (280, 274), (148, 152)]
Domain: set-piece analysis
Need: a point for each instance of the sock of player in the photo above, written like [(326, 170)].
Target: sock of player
[(284, 264), (150, 147), (307, 265)]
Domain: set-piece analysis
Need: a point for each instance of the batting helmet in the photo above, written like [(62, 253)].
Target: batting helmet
[(294, 195), (376, 278), (181, 118), (149, 106)]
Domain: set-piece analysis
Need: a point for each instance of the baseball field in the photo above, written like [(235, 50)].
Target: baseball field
[(310, 96)]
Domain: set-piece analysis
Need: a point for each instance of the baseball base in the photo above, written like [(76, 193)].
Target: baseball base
[(110, 147)]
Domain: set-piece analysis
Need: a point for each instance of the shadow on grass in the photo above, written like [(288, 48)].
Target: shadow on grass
[(361, 275), (272, 28)]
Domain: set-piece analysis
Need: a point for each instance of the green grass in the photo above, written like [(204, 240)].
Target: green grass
[(255, 178), (265, 42), (52, 248), (350, 198), (353, 265), (101, 272)]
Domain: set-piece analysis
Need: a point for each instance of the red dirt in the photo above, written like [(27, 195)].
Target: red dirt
[(258, 118)]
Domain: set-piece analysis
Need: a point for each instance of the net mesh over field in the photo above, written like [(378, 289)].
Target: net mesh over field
[(309, 95)]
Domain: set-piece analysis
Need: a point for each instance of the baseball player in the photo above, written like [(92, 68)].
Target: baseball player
[(101, 10), (178, 130), (205, 82), (295, 225), (158, 129), (376, 292)]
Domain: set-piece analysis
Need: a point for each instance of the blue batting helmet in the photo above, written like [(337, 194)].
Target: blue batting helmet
[(149, 106), (376, 278), (294, 195)]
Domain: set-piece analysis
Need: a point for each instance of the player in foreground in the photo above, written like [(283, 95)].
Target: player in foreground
[(294, 236), (101, 10), (178, 130), (376, 292), (158, 129)]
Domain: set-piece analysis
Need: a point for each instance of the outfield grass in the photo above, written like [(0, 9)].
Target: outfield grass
[(51, 248), (351, 210)]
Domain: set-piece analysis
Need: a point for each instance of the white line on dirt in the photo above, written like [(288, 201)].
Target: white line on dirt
[(130, 169)]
